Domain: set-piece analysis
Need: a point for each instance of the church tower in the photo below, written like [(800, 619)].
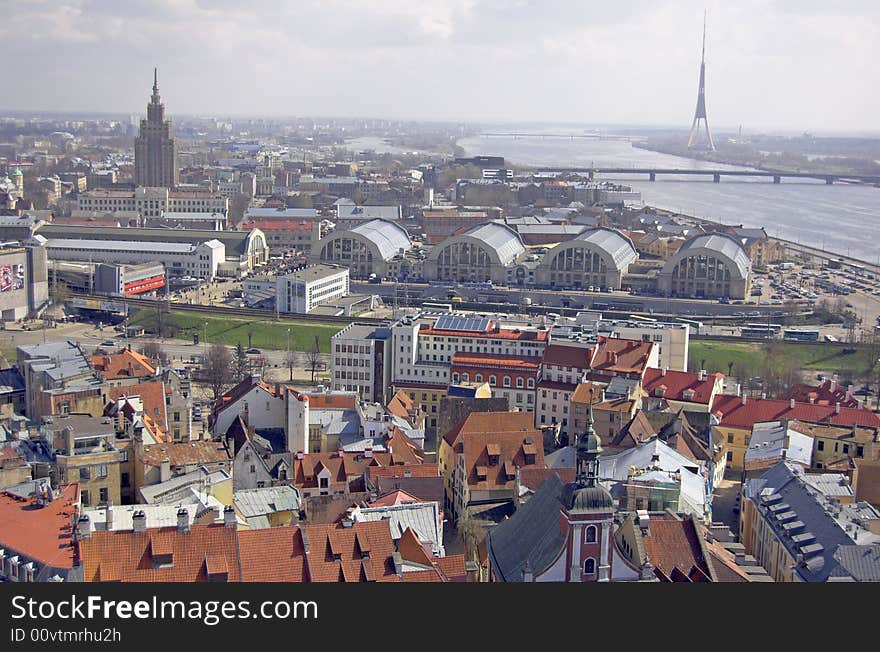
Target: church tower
[(589, 510), (155, 151)]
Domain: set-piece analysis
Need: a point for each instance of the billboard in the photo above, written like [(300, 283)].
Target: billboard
[(11, 277)]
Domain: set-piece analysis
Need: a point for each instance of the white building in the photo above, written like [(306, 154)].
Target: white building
[(361, 361), (671, 340), (156, 202), (304, 290), (180, 258)]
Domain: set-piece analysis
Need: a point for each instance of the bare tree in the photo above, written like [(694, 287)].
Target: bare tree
[(240, 363), (314, 360), (290, 361), (154, 351), (217, 369)]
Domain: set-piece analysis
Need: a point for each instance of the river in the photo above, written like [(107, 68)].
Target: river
[(841, 218)]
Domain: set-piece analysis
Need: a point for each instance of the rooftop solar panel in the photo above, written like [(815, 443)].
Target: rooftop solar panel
[(462, 323)]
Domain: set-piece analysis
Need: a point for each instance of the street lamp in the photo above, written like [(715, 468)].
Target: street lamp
[(206, 340), (287, 357)]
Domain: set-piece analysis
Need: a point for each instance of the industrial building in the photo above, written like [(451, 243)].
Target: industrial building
[(711, 265), (180, 258), (365, 249), (244, 251), (482, 253)]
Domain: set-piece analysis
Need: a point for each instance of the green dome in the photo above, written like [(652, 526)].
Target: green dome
[(586, 499)]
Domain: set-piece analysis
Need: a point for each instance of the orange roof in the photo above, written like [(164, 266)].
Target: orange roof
[(160, 554), (401, 405), (502, 334), (412, 550), (828, 393), (396, 497), (519, 362), (272, 555), (330, 400), (507, 434), (42, 534), (125, 364), (362, 552), (153, 395), (578, 357), (404, 471), (582, 393)]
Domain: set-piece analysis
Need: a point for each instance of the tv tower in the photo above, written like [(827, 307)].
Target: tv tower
[(700, 113)]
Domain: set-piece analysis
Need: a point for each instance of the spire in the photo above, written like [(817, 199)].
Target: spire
[(155, 97), (588, 448), (703, 55)]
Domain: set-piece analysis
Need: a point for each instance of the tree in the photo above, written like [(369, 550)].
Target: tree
[(290, 361), (60, 293), (240, 363), (218, 369), (314, 360), (154, 351), (237, 207)]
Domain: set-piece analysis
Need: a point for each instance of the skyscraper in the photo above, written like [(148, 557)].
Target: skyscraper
[(155, 152)]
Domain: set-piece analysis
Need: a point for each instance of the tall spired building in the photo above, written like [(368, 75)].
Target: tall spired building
[(155, 152), (694, 140)]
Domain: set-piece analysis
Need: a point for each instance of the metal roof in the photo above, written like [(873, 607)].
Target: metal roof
[(501, 238), (617, 246), (266, 500), (388, 237), (123, 245), (423, 518), (717, 243)]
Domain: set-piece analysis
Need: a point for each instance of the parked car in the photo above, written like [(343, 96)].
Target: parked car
[(253, 351)]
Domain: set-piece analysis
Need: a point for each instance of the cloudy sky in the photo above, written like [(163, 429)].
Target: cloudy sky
[(801, 64)]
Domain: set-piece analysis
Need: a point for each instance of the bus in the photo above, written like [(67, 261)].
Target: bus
[(447, 307), (800, 335), (756, 331), (773, 327), (693, 323)]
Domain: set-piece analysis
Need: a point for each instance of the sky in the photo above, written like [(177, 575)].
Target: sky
[(792, 64)]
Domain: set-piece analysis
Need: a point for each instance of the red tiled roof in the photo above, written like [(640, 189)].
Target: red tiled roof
[(401, 405), (622, 356), (736, 415), (396, 497), (330, 400), (822, 394), (501, 334), (533, 476), (673, 544), (578, 357), (337, 553), (152, 395), (43, 534), (524, 362), (272, 555), (676, 382), (412, 550), (499, 474), (128, 556)]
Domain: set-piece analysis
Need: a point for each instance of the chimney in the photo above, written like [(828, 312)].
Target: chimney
[(299, 455), (837, 408), (655, 460), (109, 518), (832, 385), (340, 453), (849, 392), (791, 404), (702, 374), (763, 395), (663, 371), (165, 470), (744, 398), (368, 452), (229, 519), (83, 527), (182, 520), (812, 400), (139, 521), (277, 389)]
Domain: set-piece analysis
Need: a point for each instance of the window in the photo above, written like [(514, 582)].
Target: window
[(531, 383), (86, 499), (124, 480), (729, 456), (104, 493), (589, 566), (820, 445), (590, 534), (519, 382), (507, 381), (492, 380), (729, 439)]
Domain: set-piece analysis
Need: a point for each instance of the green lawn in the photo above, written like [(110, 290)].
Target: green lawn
[(228, 330), (750, 355)]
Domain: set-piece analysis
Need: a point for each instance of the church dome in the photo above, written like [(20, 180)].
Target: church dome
[(586, 499)]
